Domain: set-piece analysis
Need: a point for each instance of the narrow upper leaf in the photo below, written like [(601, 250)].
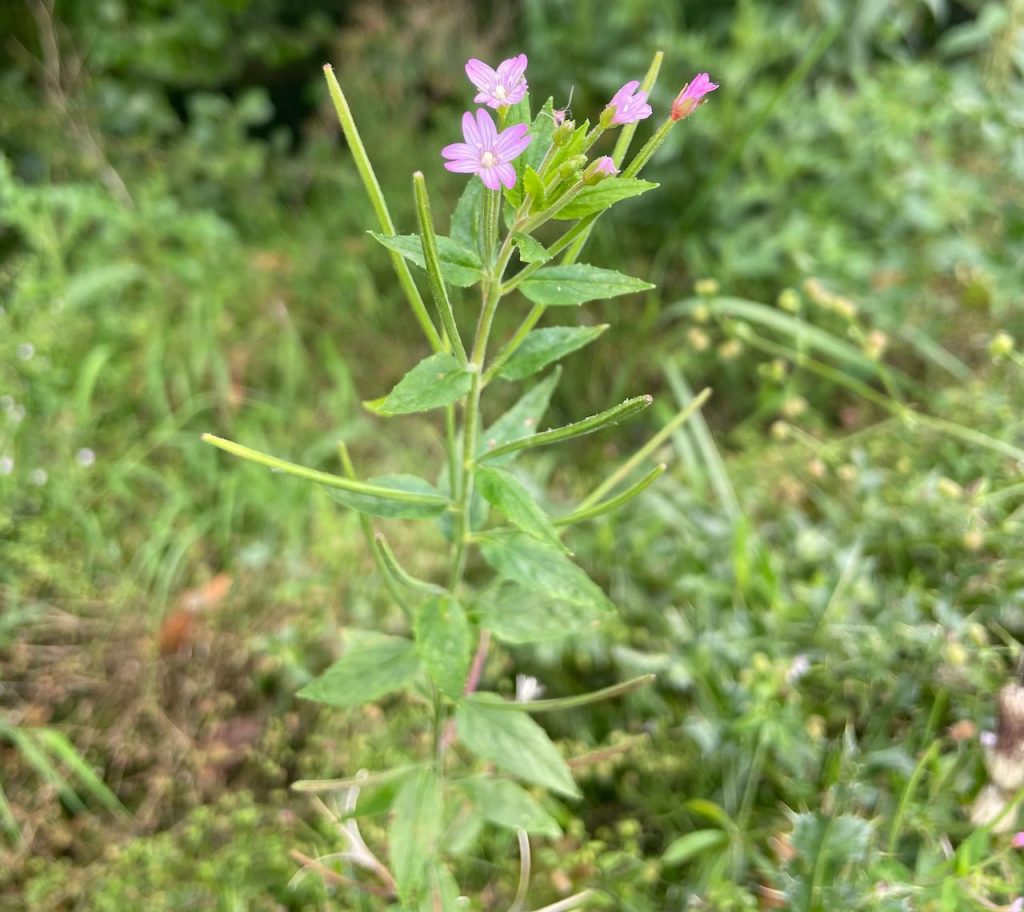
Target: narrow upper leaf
[(443, 642), (509, 805), (372, 667), (436, 381), (599, 197), (459, 265), (506, 492), (544, 346), (374, 505), (540, 132), (513, 742), (416, 828), (465, 229), (555, 286)]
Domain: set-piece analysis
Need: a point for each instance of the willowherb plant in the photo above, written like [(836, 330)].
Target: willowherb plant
[(533, 170)]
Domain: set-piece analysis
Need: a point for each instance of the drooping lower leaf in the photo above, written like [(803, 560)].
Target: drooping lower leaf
[(557, 286), (508, 494), (372, 666), (541, 569), (443, 642), (530, 249), (459, 265), (416, 826), (545, 346), (509, 805), (394, 509), (514, 743), (521, 419), (435, 382), (517, 615)]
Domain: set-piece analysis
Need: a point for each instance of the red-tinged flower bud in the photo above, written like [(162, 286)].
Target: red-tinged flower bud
[(693, 93)]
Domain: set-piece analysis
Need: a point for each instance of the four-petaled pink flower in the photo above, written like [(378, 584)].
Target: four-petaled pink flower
[(629, 104), (605, 165), (486, 151), (689, 99), (503, 86)]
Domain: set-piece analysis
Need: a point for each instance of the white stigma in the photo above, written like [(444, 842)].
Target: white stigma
[(488, 159), (500, 93)]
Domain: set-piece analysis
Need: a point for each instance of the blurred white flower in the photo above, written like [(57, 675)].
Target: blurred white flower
[(38, 477), (26, 350), (527, 689), (6, 465), (85, 457), (798, 668)]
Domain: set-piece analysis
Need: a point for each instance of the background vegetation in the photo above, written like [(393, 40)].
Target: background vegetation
[(829, 581)]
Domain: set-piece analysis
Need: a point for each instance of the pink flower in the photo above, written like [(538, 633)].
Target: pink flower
[(1018, 840), (598, 170), (558, 116), (689, 99), (628, 105), (486, 151), (503, 86)]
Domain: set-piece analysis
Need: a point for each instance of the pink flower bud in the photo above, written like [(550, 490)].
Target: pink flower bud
[(690, 98)]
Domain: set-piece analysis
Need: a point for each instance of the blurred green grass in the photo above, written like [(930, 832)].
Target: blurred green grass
[(182, 250)]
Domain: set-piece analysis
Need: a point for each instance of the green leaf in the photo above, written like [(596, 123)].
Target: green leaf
[(517, 615), (514, 743), (530, 249), (692, 844), (416, 828), (533, 184), (599, 197), (557, 286), (459, 265), (520, 420), (465, 229), (543, 570), (440, 892), (544, 346), (443, 642), (436, 381), (558, 704), (373, 505), (519, 112), (506, 492), (589, 425), (372, 666), (509, 805), (540, 132)]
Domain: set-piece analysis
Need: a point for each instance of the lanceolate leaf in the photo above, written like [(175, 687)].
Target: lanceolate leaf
[(374, 505), (555, 286), (520, 420), (544, 346), (540, 130), (506, 492), (415, 831), (599, 197), (459, 265), (543, 570), (577, 429), (372, 667), (443, 642), (514, 743), (436, 381), (509, 805), (517, 615)]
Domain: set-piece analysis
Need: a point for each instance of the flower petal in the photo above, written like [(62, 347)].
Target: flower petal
[(485, 128), (512, 141), (470, 131), (463, 166), (459, 150), (506, 174), (490, 178), (480, 74), (510, 71)]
